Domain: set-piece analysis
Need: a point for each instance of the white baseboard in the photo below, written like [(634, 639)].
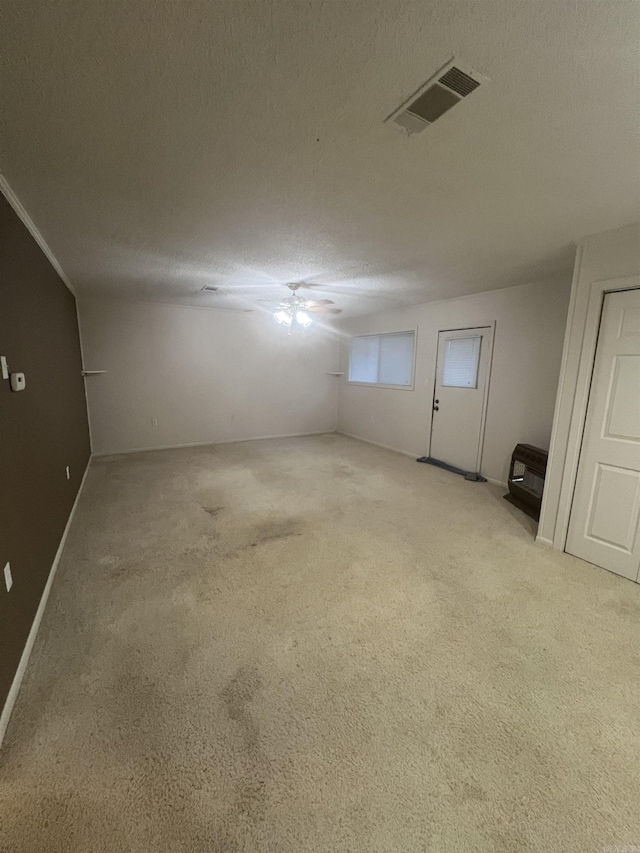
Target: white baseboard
[(37, 619), (406, 453), (377, 444), (495, 482), (210, 443), (542, 540)]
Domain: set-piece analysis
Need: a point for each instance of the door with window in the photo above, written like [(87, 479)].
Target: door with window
[(460, 397), (604, 527)]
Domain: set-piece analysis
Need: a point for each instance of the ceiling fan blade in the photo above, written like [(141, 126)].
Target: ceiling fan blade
[(318, 302), (322, 309)]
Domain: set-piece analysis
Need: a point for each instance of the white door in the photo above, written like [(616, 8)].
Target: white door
[(459, 400), (603, 527)]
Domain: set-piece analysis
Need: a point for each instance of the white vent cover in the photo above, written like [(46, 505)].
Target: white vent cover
[(448, 86)]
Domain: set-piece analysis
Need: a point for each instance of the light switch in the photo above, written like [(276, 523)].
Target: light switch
[(17, 382), (5, 366), (7, 576)]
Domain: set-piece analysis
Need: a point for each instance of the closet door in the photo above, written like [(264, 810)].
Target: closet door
[(603, 527)]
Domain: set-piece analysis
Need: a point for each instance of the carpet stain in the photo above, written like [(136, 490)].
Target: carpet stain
[(342, 472), (625, 608), (248, 805), (213, 510), (237, 695), (275, 531), (253, 650)]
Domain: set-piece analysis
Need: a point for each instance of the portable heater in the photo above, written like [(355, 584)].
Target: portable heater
[(526, 479)]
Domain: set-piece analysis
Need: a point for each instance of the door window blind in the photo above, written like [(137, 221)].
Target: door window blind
[(461, 362)]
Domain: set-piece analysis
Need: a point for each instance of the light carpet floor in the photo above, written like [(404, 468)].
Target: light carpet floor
[(319, 645)]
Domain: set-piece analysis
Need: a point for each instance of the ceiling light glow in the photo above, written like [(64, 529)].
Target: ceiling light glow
[(292, 316), (283, 317)]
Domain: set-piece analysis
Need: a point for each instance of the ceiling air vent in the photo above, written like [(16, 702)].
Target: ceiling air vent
[(453, 82)]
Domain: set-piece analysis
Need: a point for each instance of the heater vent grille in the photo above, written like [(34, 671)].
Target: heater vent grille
[(453, 82), (459, 82), (433, 103)]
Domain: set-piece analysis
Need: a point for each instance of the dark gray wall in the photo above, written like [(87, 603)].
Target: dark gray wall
[(42, 429)]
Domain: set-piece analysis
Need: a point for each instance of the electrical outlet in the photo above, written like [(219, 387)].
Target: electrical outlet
[(154, 422), (18, 382), (8, 580), (68, 473)]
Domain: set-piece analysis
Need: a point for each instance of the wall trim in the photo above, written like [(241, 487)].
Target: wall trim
[(496, 482), (210, 443), (559, 430), (29, 224), (377, 444), (37, 619), (542, 540), (406, 453)]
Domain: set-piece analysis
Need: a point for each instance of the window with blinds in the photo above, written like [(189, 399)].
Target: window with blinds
[(461, 361), (383, 359)]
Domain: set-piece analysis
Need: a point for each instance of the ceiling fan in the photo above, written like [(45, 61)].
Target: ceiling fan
[(296, 311)]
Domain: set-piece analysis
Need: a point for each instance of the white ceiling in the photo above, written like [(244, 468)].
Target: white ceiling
[(159, 145)]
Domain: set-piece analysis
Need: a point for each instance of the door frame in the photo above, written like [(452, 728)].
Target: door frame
[(589, 343), (485, 398)]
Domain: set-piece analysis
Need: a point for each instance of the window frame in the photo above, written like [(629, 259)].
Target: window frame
[(411, 387)]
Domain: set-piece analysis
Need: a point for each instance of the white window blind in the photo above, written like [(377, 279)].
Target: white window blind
[(382, 359), (365, 355), (461, 361)]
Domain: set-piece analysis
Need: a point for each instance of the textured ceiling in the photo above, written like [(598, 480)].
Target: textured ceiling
[(160, 145)]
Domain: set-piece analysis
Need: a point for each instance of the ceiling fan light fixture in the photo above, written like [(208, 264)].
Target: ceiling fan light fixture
[(303, 319), (283, 317)]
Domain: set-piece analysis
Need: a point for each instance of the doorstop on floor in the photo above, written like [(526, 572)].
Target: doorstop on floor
[(472, 476)]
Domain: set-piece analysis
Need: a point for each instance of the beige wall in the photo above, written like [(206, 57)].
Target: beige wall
[(204, 375), (600, 257), (211, 376), (44, 430), (530, 322)]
